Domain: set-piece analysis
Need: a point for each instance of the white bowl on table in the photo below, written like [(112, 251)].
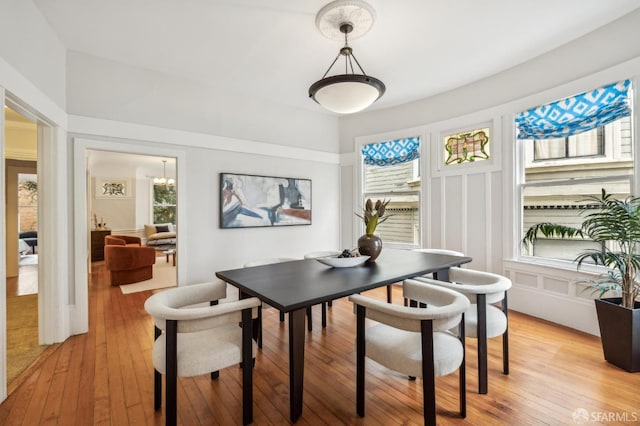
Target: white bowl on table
[(343, 262)]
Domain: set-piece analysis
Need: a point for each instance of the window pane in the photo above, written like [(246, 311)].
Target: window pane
[(564, 205), (587, 143), (164, 204), (399, 183), (549, 148), (403, 223)]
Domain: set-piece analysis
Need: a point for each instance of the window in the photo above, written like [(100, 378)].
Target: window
[(391, 170), (164, 203), (27, 202), (569, 163), (582, 145), (467, 146)]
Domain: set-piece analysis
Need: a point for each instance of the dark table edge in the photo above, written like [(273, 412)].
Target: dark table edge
[(294, 307)]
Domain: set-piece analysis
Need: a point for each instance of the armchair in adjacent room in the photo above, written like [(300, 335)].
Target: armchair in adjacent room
[(127, 261)]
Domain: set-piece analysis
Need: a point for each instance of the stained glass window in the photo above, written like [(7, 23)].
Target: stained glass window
[(467, 146)]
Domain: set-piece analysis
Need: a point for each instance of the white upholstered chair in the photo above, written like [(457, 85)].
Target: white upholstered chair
[(482, 320), (413, 341), (316, 255), (194, 335), (425, 250), (438, 251)]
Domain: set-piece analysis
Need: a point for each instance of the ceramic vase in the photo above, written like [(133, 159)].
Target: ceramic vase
[(370, 245)]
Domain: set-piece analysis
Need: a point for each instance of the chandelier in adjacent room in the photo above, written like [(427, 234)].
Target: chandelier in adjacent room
[(164, 180)]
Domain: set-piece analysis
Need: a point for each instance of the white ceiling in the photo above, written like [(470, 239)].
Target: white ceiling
[(272, 49)]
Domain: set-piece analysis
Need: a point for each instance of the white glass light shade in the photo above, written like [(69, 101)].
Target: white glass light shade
[(347, 93), (163, 181)]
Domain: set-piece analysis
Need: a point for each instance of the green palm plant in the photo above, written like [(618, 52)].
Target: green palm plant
[(615, 221), (373, 215)]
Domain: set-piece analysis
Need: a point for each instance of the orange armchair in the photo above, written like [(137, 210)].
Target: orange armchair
[(127, 261), (122, 240)]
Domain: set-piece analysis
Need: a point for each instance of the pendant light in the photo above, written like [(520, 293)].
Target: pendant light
[(349, 92), (164, 180)]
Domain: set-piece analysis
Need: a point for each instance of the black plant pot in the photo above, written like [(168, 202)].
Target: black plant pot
[(620, 333)]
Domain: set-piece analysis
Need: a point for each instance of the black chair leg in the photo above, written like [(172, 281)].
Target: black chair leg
[(157, 390), (260, 327), (389, 297), (481, 304), (170, 416), (247, 371), (428, 374), (463, 372), (330, 303), (157, 377), (360, 354), (281, 316), (324, 315), (309, 319), (505, 338), (215, 375)]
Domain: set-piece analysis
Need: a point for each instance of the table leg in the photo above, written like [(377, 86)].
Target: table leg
[(296, 362), (256, 329)]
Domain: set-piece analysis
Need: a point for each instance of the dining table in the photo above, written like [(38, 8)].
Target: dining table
[(292, 287)]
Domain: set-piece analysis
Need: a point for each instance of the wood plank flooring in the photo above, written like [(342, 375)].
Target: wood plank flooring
[(106, 377)]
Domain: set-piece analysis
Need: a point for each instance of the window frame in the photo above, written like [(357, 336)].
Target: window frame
[(520, 185), (437, 156), (418, 175), (152, 202)]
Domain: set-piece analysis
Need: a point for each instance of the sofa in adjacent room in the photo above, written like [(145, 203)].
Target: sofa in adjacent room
[(127, 260), (31, 238), (160, 234)]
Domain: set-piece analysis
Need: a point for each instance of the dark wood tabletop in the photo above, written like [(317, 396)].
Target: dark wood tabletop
[(294, 286), (297, 284)]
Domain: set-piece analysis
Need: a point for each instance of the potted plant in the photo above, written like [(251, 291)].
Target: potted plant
[(373, 215), (616, 226)]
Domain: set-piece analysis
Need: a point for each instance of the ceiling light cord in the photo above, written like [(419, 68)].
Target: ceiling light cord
[(347, 52)]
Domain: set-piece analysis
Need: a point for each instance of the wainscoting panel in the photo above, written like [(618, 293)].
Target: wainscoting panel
[(553, 294)]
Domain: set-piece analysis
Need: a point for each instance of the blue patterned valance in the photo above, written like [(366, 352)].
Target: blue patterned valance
[(391, 153), (576, 114)]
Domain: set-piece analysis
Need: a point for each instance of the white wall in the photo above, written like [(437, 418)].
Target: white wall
[(205, 247), (142, 96), (29, 44), (475, 210), (32, 79)]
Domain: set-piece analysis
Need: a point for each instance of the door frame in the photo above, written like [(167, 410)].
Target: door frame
[(80, 314)]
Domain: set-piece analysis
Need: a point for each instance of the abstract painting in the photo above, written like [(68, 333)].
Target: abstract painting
[(248, 201)]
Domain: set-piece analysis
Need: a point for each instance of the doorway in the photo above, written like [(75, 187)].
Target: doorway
[(22, 271), (127, 195), (82, 220)]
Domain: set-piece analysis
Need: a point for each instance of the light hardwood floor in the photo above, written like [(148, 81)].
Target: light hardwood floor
[(105, 377)]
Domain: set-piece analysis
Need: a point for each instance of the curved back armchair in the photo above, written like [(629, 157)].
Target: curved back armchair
[(122, 240), (128, 263), (413, 341), (194, 340), (483, 320)]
